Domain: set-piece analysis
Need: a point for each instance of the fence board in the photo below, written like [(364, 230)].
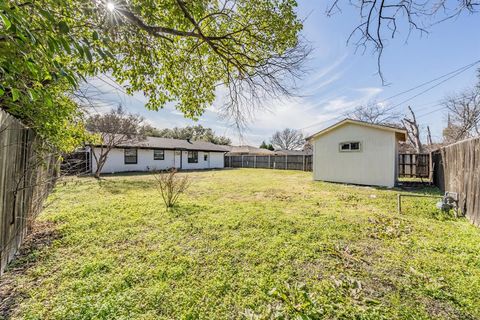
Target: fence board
[(26, 178), (456, 169)]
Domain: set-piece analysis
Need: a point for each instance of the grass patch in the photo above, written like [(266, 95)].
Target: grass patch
[(249, 243)]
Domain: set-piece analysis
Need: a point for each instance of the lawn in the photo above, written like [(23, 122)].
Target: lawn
[(247, 243)]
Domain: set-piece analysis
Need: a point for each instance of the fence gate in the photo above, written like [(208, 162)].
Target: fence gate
[(76, 163), (414, 165)]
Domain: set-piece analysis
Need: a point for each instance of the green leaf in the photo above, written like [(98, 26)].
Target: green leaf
[(95, 35), (2, 92), (15, 94), (33, 94), (47, 15), (6, 21), (63, 27)]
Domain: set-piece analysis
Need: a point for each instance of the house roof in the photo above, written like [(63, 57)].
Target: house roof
[(247, 150), (173, 144), (293, 152), (400, 133)]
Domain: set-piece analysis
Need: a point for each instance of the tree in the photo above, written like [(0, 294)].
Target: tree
[(197, 132), (413, 131), (374, 113), (463, 116), (173, 51), (382, 20), (114, 129), (266, 146), (288, 139)]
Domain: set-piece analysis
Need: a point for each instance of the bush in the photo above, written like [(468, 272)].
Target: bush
[(171, 186)]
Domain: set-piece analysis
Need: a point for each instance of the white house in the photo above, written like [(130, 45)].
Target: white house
[(357, 152), (159, 154)]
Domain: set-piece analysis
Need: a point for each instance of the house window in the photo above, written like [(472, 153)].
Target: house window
[(205, 157), (158, 154), (130, 156), (192, 156), (350, 146)]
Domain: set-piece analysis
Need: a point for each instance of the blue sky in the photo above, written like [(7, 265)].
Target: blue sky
[(340, 79)]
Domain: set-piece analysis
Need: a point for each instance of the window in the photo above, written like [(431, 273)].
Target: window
[(130, 156), (350, 146), (192, 156), (205, 157), (158, 154)]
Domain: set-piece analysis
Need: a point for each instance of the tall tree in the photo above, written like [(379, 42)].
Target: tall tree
[(267, 146), (197, 132), (174, 51), (463, 116), (288, 139), (413, 131), (114, 129)]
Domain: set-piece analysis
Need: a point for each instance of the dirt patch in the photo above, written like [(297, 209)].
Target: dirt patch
[(39, 239)]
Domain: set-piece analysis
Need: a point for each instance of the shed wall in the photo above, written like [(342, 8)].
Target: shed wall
[(373, 165)]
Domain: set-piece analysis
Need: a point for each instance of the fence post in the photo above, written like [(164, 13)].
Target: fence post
[(303, 163), (286, 161), (242, 160), (255, 161), (269, 162)]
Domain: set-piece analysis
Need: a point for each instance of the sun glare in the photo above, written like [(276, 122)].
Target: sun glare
[(110, 6)]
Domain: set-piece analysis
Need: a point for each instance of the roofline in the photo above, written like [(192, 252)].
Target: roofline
[(362, 123), (155, 148)]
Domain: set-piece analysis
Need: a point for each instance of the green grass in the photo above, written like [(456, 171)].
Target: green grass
[(249, 243)]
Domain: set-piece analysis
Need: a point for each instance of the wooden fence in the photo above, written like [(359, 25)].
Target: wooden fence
[(414, 165), (286, 162), (27, 175), (456, 168)]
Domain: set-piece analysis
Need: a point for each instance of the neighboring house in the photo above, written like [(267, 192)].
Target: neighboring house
[(357, 152), (248, 151), (162, 153)]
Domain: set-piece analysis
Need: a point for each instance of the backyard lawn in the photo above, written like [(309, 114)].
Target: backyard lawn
[(246, 243)]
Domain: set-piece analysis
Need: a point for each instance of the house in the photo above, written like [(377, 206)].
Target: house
[(248, 151), (154, 153), (357, 152)]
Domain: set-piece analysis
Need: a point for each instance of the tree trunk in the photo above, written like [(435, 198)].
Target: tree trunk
[(413, 131)]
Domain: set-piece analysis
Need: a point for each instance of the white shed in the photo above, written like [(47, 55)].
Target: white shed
[(357, 152)]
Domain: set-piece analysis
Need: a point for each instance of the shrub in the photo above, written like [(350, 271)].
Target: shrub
[(171, 186)]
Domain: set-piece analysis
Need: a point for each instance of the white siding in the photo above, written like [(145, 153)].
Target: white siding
[(145, 162), (214, 160), (373, 165), (217, 160)]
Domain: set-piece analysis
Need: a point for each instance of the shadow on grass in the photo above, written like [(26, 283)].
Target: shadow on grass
[(121, 186), (186, 209), (30, 253)]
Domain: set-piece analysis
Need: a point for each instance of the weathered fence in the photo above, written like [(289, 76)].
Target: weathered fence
[(285, 162), (414, 165), (457, 169), (27, 175)]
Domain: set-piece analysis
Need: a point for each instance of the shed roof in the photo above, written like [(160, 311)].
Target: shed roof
[(400, 133), (173, 144)]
